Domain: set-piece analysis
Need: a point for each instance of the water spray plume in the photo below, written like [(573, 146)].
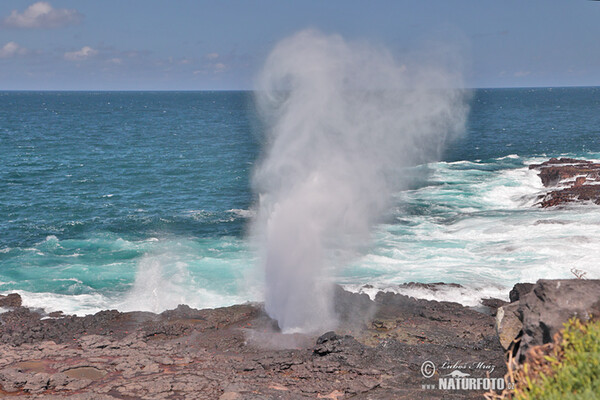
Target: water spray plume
[(341, 121)]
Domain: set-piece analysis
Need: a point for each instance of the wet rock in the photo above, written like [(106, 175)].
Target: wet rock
[(582, 193), (493, 305), (352, 308), (10, 301), (85, 372), (434, 287), (576, 181), (56, 314), (555, 170)]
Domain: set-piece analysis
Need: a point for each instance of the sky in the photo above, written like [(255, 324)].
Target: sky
[(221, 45)]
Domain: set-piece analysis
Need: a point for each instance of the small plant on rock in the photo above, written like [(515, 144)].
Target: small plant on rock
[(568, 368)]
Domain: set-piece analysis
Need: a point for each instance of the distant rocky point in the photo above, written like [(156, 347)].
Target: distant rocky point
[(572, 180)]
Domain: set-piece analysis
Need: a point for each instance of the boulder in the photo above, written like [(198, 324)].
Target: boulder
[(520, 290), (493, 305), (508, 325), (552, 303), (12, 300), (575, 181), (544, 311)]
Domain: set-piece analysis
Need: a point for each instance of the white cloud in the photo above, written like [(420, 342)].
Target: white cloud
[(212, 56), (80, 55), (42, 15), (220, 67), (11, 49), (212, 68), (116, 61), (521, 74)]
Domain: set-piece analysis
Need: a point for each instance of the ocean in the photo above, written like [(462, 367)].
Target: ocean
[(142, 201)]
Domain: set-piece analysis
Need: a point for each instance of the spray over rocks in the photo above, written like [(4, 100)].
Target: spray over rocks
[(342, 119)]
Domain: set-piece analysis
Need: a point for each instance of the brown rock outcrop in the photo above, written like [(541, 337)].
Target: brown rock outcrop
[(575, 181), (10, 301)]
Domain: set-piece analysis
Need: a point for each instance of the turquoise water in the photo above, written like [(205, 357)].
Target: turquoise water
[(141, 200)]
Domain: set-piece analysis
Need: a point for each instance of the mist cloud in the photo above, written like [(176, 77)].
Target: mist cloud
[(342, 119)]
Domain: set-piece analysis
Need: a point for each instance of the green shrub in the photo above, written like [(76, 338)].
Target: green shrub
[(567, 369)]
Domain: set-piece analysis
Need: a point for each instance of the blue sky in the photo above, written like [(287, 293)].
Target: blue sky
[(208, 45)]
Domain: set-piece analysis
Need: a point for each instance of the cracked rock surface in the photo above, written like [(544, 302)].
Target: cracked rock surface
[(236, 353)]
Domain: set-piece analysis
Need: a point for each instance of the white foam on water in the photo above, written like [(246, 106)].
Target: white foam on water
[(243, 213), (510, 156), (467, 296), (513, 188), (480, 228), (183, 271), (68, 280), (82, 304), (485, 232)]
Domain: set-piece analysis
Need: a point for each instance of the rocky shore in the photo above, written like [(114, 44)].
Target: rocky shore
[(570, 180), (391, 347), (237, 353)]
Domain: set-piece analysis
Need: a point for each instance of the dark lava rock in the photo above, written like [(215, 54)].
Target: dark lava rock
[(520, 290), (493, 304), (543, 311), (576, 180), (10, 301), (331, 342), (352, 308), (434, 287), (376, 352), (556, 170), (552, 303), (329, 336), (572, 194)]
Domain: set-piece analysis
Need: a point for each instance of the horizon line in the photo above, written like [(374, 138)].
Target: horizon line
[(254, 90)]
